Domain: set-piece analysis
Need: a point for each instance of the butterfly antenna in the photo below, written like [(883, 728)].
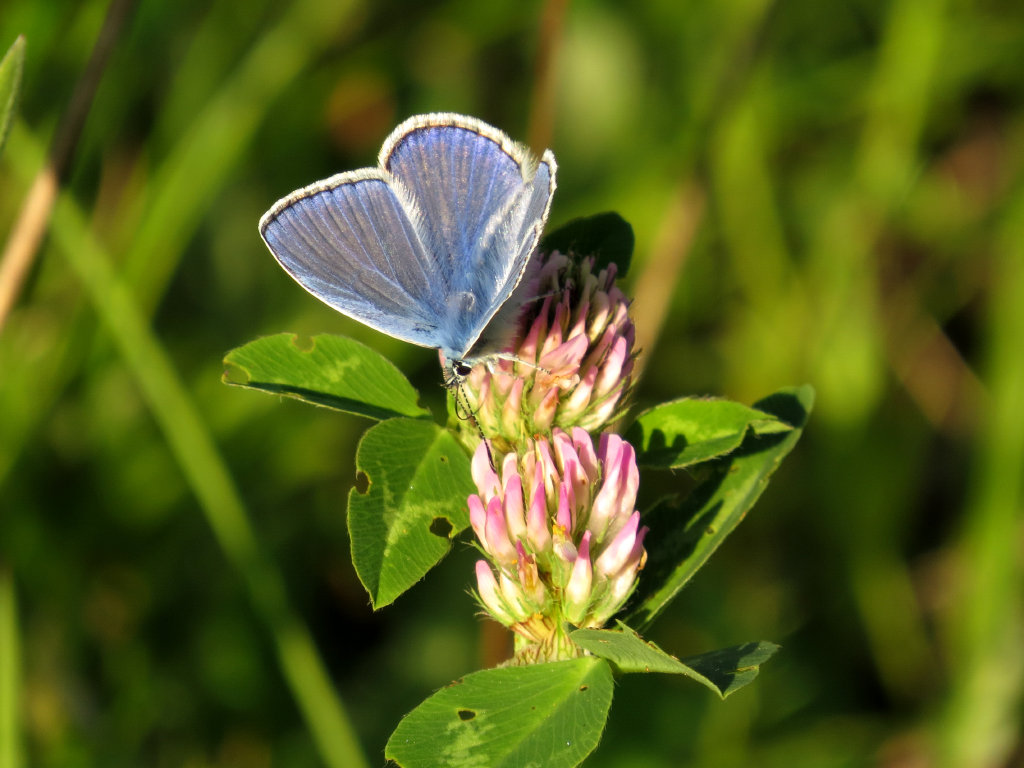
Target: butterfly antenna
[(516, 359), (464, 412)]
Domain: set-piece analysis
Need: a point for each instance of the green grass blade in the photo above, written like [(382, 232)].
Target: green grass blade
[(194, 172), (200, 461), (11, 67), (36, 365), (199, 166), (981, 722), (10, 663), (847, 352)]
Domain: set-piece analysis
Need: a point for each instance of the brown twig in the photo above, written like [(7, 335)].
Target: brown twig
[(946, 390), (545, 77), (30, 226), (653, 288)]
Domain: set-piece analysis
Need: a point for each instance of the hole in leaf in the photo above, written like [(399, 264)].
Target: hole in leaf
[(466, 714), (444, 459), (362, 483), (441, 526), (303, 343), (235, 374)]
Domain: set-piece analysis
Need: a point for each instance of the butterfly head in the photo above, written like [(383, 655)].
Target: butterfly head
[(454, 371)]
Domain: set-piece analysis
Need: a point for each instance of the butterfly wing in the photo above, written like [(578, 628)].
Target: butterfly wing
[(351, 241), (481, 203), (516, 237)]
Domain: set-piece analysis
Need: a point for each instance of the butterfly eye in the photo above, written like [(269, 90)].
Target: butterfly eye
[(462, 369)]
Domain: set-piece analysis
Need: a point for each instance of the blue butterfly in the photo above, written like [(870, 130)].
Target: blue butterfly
[(430, 246)]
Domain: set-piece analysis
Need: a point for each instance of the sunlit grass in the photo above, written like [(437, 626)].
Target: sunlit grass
[(823, 196)]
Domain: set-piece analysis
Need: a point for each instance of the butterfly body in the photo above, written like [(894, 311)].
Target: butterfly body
[(428, 247)]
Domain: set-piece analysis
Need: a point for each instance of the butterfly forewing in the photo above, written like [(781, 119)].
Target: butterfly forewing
[(350, 242), (459, 178), (471, 184)]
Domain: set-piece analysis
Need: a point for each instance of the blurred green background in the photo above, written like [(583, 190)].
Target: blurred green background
[(821, 192)]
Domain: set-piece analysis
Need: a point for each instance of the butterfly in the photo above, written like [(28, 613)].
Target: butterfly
[(428, 247)]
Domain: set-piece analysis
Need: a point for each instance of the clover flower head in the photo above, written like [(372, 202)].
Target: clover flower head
[(561, 535), (570, 366)]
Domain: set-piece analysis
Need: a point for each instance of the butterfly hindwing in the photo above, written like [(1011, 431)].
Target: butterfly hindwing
[(513, 244)]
